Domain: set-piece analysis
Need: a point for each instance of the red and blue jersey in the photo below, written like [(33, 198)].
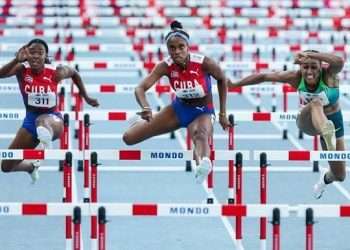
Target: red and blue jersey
[(191, 82), (39, 91)]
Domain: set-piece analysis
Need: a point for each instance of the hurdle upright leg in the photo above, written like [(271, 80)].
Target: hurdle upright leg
[(231, 170), (189, 147), (93, 199), (263, 199), (276, 221), (210, 199), (239, 201), (86, 146), (102, 228), (309, 222), (77, 225), (67, 173), (315, 163)]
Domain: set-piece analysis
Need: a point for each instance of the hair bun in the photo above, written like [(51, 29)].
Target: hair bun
[(175, 25)]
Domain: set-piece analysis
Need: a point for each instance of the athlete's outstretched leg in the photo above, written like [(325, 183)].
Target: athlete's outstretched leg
[(163, 122), (23, 140), (201, 129)]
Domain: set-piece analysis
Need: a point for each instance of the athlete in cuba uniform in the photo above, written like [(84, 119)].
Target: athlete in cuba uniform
[(189, 76), (190, 84), (39, 94), (320, 113), (38, 84)]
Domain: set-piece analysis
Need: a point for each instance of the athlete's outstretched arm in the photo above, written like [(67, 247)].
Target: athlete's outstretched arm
[(212, 68), (291, 77), (14, 65), (158, 71), (64, 72)]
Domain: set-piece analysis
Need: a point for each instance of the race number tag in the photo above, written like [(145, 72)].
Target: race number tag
[(307, 97), (42, 100), (190, 93)]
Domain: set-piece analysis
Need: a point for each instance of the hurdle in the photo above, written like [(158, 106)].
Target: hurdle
[(293, 155), (104, 115), (184, 210), (303, 155), (66, 157), (160, 155)]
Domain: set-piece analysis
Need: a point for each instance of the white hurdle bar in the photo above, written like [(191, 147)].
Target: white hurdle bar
[(110, 154), (102, 210), (173, 209), (303, 155), (37, 154), (135, 154), (123, 115)]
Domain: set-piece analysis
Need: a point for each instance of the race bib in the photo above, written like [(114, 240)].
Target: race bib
[(307, 97), (190, 93), (42, 100)]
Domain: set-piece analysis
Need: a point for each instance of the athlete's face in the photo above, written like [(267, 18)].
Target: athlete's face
[(310, 71), (178, 50), (36, 56)]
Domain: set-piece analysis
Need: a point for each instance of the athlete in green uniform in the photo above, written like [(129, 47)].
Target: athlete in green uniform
[(320, 114)]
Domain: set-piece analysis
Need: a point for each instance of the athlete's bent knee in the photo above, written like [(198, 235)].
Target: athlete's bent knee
[(201, 134), (316, 102), (339, 177), (5, 167), (127, 139)]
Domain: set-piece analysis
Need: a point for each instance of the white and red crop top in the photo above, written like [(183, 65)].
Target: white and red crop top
[(191, 82), (39, 91)]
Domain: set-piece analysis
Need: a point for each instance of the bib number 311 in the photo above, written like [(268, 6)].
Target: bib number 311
[(42, 100)]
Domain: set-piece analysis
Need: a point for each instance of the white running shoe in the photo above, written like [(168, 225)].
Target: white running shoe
[(328, 134), (202, 170), (34, 175), (320, 186), (45, 137)]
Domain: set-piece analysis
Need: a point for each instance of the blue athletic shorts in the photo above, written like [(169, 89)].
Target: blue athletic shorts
[(29, 121), (186, 113), (337, 119)]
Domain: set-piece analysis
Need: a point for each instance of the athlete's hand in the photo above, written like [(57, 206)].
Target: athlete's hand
[(224, 122), (91, 101), (22, 54), (145, 114), (300, 57), (230, 83)]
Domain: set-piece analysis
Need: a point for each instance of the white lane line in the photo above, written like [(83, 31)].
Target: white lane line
[(295, 142), (225, 221)]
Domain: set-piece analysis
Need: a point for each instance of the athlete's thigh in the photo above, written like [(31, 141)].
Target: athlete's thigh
[(203, 122), (23, 140), (52, 121), (162, 122), (304, 121)]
